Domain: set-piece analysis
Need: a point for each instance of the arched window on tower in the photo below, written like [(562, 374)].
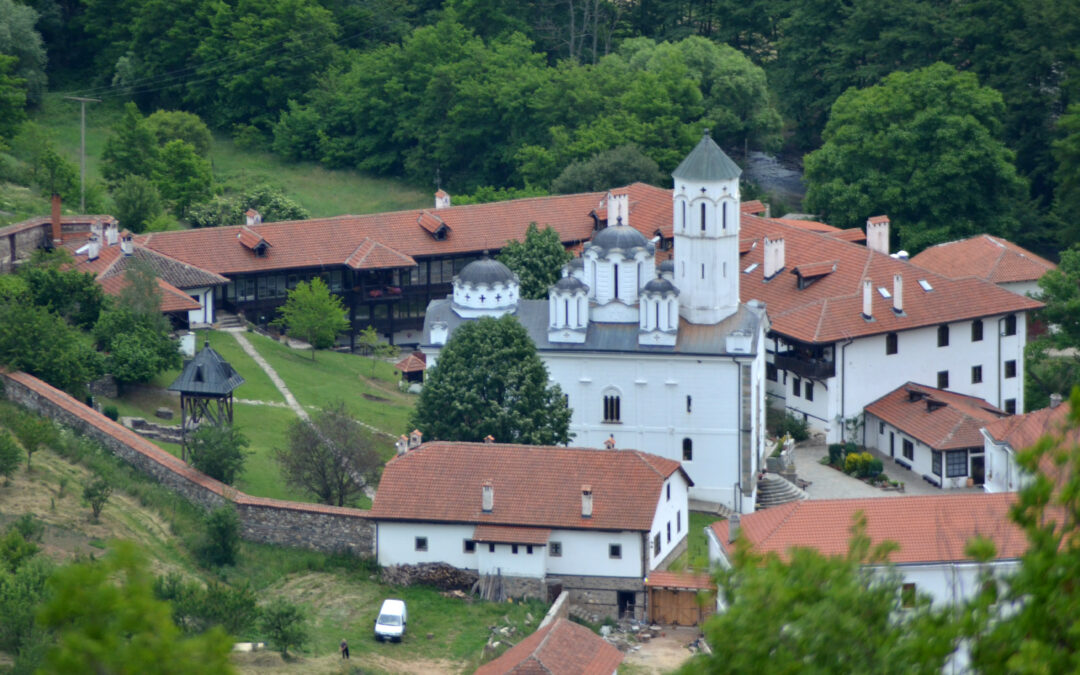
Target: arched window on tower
[(687, 450), (612, 412), (702, 216), (723, 210), (684, 216)]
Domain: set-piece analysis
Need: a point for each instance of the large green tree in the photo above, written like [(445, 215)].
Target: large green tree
[(821, 614), (43, 344), (313, 314), (219, 451), (19, 38), (489, 380), (12, 99), (131, 149), (182, 177), (923, 147), (538, 260)]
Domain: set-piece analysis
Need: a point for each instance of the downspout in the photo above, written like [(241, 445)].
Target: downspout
[(645, 573), (843, 385), (997, 366)]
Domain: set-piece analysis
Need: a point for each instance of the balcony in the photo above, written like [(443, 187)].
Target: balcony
[(804, 366)]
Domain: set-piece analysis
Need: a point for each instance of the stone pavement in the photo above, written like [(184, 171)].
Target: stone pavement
[(828, 483)]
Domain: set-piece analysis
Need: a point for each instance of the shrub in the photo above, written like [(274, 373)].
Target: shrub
[(112, 412), (873, 467), (284, 625), (221, 538), (796, 427), (836, 454), (96, 494), (780, 423), (852, 462), (850, 448)]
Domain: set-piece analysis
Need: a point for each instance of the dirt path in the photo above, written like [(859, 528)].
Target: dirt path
[(272, 374), (665, 653)]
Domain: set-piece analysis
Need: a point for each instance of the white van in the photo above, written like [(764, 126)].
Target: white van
[(392, 620)]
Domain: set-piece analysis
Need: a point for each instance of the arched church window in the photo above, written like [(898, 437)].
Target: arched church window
[(684, 216), (687, 450), (702, 216), (723, 210), (612, 412), (616, 267)]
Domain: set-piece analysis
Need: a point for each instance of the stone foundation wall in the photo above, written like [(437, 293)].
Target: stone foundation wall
[(330, 529), (596, 598)]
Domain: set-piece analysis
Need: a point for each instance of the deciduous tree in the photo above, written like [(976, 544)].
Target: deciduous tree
[(284, 624), (221, 540), (612, 168), (130, 150), (923, 147), (9, 456), (34, 432), (134, 333), (489, 380), (312, 314), (137, 202), (97, 493), (538, 261), (39, 342), (330, 456), (218, 451), (182, 177)]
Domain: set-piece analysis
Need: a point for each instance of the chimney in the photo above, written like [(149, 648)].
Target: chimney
[(96, 229), (773, 257), (415, 438), (252, 217), (402, 444), (57, 230), (487, 496), (442, 200), (867, 300), (618, 209), (489, 439), (1055, 400), (898, 294), (733, 528), (877, 234), (586, 501), (112, 233), (127, 246), (93, 247)]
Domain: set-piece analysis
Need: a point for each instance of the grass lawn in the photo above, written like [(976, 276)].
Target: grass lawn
[(321, 191), (335, 376), (696, 556)]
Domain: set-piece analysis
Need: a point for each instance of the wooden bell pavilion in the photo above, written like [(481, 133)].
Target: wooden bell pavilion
[(206, 385)]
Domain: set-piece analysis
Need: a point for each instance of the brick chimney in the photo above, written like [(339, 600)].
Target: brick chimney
[(898, 294), (773, 257), (402, 444), (442, 199), (867, 300), (415, 439), (57, 230), (487, 496), (489, 439), (877, 234), (586, 501), (618, 208)]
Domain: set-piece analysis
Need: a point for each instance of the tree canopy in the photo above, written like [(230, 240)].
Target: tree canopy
[(923, 147), (538, 261), (312, 314), (489, 380)]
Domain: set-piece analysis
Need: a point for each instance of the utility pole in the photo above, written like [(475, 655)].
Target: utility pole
[(82, 148)]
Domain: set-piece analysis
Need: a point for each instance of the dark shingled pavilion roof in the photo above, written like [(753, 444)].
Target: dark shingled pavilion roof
[(209, 374)]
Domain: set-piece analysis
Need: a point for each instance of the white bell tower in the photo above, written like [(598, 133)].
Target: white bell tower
[(706, 224)]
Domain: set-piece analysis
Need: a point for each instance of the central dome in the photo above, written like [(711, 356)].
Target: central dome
[(486, 271), (622, 237)]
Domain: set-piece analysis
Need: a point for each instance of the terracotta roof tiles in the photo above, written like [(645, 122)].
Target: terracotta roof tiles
[(508, 534), (943, 420), (688, 580), (927, 529), (560, 648), (534, 486), (984, 257)]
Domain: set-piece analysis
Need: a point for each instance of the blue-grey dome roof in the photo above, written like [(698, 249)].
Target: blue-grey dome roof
[(659, 285), (486, 271), (622, 237), (570, 283)]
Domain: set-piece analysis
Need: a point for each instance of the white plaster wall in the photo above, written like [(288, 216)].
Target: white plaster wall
[(708, 299), (1027, 288), (585, 552), (505, 561), (817, 411), (671, 511), (922, 463), (396, 544), (205, 297), (653, 391), (868, 373), (1003, 474), (950, 584)]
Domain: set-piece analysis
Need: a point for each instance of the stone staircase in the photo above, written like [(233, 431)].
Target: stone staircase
[(774, 490), (229, 321)]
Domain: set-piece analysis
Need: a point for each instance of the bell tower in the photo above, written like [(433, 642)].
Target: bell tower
[(706, 225)]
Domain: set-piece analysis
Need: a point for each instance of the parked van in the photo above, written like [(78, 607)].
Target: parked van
[(392, 620)]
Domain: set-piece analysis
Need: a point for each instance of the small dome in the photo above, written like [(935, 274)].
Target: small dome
[(570, 283), (667, 266), (486, 271), (621, 237), (659, 285)]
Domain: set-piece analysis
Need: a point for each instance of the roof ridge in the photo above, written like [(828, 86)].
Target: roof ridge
[(780, 523)]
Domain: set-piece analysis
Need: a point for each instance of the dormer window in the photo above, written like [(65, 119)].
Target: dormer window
[(434, 225), (253, 241)]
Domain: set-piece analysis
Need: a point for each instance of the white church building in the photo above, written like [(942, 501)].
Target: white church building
[(659, 358)]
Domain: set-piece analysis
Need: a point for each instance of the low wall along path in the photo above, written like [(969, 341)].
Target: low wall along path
[(331, 529)]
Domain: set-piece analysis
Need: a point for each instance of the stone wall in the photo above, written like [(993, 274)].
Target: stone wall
[(272, 521), (596, 598)]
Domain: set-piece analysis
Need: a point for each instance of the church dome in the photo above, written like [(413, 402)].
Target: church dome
[(621, 237), (486, 271), (660, 285), (570, 283)]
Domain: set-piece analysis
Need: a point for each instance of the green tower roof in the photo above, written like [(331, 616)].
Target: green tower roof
[(707, 162)]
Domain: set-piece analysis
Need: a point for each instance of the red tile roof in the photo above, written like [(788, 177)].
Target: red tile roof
[(249, 238), (754, 206), (984, 257), (411, 364), (943, 420), (854, 235), (507, 534), (559, 648), (1022, 431), (172, 298), (810, 270), (535, 486), (663, 579), (808, 225), (927, 529), (831, 309)]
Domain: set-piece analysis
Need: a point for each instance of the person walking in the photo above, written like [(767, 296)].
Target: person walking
[(344, 649)]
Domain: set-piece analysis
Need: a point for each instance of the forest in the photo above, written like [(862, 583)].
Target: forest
[(952, 116)]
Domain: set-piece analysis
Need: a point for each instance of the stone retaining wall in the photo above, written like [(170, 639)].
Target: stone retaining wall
[(595, 598), (329, 529)]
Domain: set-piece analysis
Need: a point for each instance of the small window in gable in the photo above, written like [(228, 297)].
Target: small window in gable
[(892, 343)]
